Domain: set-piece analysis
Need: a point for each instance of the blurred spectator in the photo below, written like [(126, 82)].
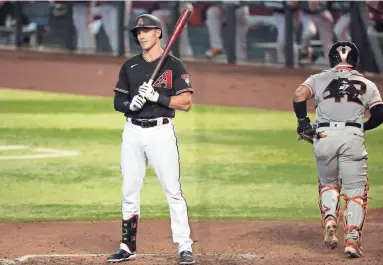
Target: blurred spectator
[(60, 9), (315, 16), (89, 16), (216, 15), (8, 20), (342, 25), (7, 15), (81, 18), (163, 10), (128, 13), (108, 11), (279, 15), (375, 14)]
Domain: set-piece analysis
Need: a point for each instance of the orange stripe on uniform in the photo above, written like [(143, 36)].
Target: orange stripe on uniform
[(375, 103), (310, 87)]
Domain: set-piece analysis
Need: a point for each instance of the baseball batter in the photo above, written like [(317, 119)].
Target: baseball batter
[(341, 97), (149, 135)]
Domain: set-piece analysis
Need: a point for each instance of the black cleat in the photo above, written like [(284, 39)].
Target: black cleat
[(186, 257), (122, 255)]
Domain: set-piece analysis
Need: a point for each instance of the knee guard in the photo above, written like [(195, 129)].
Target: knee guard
[(355, 211), (329, 202), (129, 232)]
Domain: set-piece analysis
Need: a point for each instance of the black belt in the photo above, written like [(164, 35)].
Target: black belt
[(149, 123), (348, 123)]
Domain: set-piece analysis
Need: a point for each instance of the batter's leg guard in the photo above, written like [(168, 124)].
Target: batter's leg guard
[(329, 208), (129, 233), (354, 217)]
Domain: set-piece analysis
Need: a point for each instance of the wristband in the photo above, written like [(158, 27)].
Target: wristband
[(163, 100), (300, 109)]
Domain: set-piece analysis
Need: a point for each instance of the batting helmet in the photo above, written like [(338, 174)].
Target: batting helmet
[(146, 21), (343, 52)]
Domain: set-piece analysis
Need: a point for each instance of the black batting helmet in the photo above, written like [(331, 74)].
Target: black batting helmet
[(146, 21), (343, 52)]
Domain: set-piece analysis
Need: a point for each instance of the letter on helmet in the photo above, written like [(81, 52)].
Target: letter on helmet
[(146, 21)]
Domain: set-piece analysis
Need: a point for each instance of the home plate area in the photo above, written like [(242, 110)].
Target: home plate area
[(215, 242), (140, 259)]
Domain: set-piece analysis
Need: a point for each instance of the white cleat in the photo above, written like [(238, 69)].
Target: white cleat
[(330, 238), (352, 249)]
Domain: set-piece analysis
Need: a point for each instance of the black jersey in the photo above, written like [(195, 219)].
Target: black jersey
[(172, 79)]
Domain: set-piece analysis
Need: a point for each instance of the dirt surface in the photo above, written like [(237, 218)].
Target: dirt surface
[(223, 242), (229, 242)]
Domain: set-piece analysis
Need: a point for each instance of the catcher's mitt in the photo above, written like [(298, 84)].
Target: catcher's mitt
[(306, 130), (309, 136), (306, 137)]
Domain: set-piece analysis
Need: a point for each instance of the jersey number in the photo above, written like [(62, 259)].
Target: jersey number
[(336, 86)]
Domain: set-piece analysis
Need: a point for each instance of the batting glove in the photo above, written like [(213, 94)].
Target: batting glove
[(148, 92), (304, 126), (137, 103)]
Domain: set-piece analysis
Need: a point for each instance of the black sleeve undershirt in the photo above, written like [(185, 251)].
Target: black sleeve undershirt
[(121, 102), (300, 109), (375, 119)]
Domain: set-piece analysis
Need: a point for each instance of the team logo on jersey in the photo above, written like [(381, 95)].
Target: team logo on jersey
[(140, 22), (186, 78), (165, 80)]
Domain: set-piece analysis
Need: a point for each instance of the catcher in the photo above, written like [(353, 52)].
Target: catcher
[(341, 96)]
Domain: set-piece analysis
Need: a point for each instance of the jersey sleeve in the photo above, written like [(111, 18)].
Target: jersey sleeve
[(310, 84), (182, 82), (122, 85), (373, 97)]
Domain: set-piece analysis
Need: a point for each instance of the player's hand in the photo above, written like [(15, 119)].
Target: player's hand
[(137, 103), (148, 92), (304, 126)]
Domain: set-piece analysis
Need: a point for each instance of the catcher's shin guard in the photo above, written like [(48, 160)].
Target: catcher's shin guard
[(329, 207), (129, 232), (354, 217)]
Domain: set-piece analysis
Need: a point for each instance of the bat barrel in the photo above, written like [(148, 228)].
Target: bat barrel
[(182, 20)]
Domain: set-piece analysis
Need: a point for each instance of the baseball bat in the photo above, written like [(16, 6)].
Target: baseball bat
[(184, 17)]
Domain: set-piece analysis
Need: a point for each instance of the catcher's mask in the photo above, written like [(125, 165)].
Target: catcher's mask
[(343, 52), (146, 21)]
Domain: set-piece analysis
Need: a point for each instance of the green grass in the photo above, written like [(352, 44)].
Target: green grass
[(236, 163)]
